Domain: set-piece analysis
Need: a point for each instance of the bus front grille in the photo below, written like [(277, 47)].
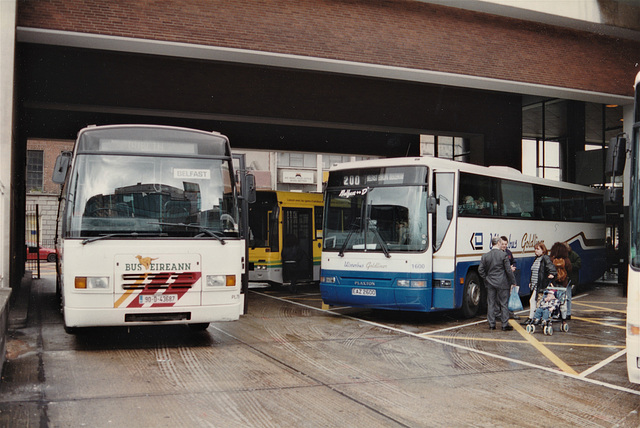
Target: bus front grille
[(157, 317), (161, 280)]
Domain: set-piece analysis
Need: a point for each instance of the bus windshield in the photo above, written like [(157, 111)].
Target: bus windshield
[(151, 196), (384, 219)]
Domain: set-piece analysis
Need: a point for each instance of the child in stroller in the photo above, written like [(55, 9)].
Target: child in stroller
[(552, 306)]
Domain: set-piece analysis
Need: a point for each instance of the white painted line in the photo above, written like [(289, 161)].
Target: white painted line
[(466, 348), (603, 363), (451, 328)]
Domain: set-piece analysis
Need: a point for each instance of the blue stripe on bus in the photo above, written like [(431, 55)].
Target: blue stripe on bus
[(388, 294), (391, 296), (593, 266)]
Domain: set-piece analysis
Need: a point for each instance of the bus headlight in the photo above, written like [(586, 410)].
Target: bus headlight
[(91, 282), (412, 283), (221, 280), (328, 279), (633, 329)]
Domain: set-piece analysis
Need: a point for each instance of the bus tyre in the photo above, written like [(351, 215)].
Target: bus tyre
[(472, 295), (59, 290), (202, 326), (71, 330)]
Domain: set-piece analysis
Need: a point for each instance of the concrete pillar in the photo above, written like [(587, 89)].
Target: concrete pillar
[(8, 11), (575, 137)]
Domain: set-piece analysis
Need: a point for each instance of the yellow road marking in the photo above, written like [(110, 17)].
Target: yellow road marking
[(543, 349), (606, 319), (593, 321), (598, 307), (487, 339), (603, 363), (574, 301)]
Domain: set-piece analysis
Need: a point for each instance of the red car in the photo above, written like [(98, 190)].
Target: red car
[(43, 253)]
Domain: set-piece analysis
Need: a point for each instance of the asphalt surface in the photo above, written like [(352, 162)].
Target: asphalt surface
[(289, 362)]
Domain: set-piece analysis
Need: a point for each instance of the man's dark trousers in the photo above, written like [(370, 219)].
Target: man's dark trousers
[(497, 298)]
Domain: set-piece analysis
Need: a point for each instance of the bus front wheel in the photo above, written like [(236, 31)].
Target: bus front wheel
[(472, 295), (201, 326)]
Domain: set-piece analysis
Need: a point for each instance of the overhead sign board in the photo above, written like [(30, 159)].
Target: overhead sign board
[(297, 177)]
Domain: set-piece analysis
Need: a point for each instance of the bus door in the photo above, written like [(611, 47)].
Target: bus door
[(443, 241), (299, 223)]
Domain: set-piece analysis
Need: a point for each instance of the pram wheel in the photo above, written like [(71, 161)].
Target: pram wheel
[(548, 330), (565, 327), (531, 328)]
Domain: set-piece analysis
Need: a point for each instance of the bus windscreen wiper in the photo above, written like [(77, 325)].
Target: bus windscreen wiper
[(118, 235), (354, 226), (202, 229), (373, 226)]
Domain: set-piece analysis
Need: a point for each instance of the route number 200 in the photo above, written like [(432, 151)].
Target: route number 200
[(351, 180)]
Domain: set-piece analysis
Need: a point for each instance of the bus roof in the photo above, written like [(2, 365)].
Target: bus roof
[(151, 139), (445, 164)]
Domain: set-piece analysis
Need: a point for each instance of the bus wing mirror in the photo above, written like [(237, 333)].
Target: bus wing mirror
[(250, 188), (432, 203), (613, 196), (61, 167), (449, 212), (616, 156)]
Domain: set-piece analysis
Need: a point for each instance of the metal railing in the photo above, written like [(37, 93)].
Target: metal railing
[(37, 255)]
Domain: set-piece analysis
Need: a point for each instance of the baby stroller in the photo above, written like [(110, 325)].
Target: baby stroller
[(557, 311)]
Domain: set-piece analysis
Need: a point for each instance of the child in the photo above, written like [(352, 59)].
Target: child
[(546, 307)]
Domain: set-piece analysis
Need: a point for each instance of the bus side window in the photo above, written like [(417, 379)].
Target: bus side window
[(517, 198)]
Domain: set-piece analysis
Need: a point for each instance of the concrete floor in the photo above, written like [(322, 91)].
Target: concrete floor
[(288, 362)]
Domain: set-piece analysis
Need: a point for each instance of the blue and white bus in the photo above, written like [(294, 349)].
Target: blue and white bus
[(408, 233)]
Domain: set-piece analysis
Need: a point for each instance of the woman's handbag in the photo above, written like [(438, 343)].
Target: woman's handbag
[(515, 304)]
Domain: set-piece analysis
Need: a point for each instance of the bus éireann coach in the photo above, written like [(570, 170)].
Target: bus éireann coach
[(408, 233), (633, 286), (276, 215), (148, 228)]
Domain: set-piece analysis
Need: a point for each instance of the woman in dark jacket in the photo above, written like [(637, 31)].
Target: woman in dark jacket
[(542, 271)]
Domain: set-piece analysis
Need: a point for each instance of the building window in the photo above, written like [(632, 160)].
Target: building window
[(35, 166), (297, 160), (445, 147), (328, 160), (541, 159)]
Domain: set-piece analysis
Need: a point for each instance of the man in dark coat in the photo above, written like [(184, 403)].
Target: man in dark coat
[(498, 277), (504, 241)]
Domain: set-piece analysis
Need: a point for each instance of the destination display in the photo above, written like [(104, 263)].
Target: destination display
[(388, 176)]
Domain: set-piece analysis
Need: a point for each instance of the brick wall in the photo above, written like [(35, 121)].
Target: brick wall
[(52, 149), (401, 33), (47, 200)]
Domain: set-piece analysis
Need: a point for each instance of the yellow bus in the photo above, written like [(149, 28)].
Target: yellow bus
[(275, 216)]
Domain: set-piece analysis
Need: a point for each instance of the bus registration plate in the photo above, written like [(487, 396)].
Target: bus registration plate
[(157, 298), (363, 292)]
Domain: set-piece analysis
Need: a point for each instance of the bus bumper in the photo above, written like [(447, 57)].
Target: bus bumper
[(391, 298), (98, 317)]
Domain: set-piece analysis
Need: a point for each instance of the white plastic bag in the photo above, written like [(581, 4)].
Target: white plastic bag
[(515, 304)]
